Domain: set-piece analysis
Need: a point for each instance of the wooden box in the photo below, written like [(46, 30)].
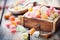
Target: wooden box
[(48, 27), (41, 24)]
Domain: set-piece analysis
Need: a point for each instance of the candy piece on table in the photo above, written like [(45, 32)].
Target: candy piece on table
[(36, 34), (13, 30), (12, 18), (12, 26), (30, 9), (18, 22), (6, 16), (21, 28), (25, 36), (14, 23), (18, 29), (8, 25), (32, 31)]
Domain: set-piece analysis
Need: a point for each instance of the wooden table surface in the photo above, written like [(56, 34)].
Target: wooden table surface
[(6, 35)]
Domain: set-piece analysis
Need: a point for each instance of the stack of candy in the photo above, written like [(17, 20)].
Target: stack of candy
[(14, 24), (14, 28), (42, 12), (25, 36)]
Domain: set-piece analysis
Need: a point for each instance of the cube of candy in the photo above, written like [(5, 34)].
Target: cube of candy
[(13, 30), (14, 23), (56, 14), (6, 16), (38, 14), (36, 34), (18, 22), (43, 8), (45, 16), (8, 25), (30, 9), (32, 31), (48, 12), (12, 26), (21, 28), (50, 18), (12, 18), (25, 36), (53, 16), (52, 9), (38, 11)]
